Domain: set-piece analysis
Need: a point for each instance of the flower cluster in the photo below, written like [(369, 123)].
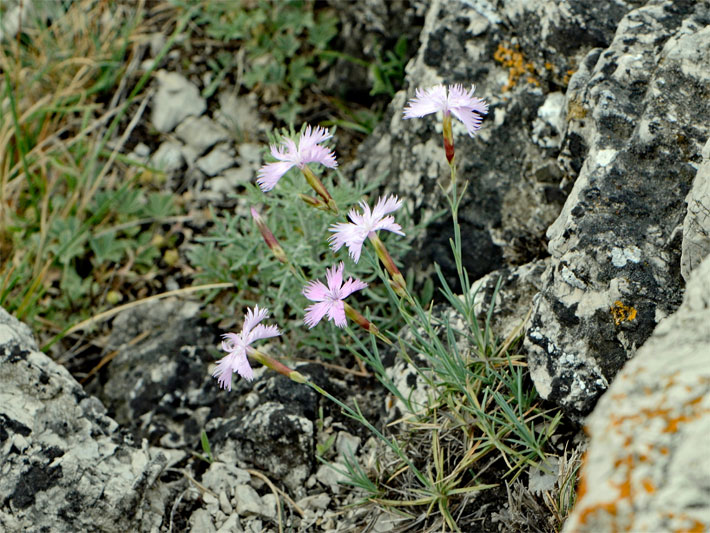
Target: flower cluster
[(329, 297)]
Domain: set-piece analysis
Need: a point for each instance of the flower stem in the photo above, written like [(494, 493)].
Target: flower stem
[(275, 365), (364, 323)]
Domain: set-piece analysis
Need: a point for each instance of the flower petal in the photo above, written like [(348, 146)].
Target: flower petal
[(288, 151), (334, 278), (351, 286), (336, 313), (223, 372), (386, 205), (315, 312), (346, 234), (263, 332), (242, 367), (252, 318), (469, 118), (312, 136), (231, 341), (315, 291), (426, 102), (319, 154), (388, 224), (271, 173)]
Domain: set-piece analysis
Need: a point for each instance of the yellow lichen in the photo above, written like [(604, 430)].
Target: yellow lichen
[(622, 313), (513, 60)]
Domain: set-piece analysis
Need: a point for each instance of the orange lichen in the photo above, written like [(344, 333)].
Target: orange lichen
[(622, 313), (625, 486), (648, 485), (695, 526), (513, 60)]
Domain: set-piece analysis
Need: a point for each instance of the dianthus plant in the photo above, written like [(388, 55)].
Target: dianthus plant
[(335, 300), (329, 298)]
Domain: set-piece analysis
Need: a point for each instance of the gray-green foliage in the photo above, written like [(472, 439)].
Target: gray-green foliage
[(282, 41), (235, 252)]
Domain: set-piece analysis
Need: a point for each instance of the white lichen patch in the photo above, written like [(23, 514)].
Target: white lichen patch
[(606, 156), (621, 256)]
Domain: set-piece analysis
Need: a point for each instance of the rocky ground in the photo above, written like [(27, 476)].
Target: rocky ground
[(589, 194)]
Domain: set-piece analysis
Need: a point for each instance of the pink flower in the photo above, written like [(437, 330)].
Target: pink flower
[(353, 234), (238, 346), (289, 155), (330, 299), (458, 102)]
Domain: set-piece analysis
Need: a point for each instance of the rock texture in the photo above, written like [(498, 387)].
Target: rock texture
[(637, 121), (66, 466), (647, 467), (696, 226)]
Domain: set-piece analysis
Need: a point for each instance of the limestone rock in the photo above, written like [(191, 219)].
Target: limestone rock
[(518, 288), (219, 159), (176, 99), (168, 157), (155, 387), (66, 466), (647, 467), (637, 121), (273, 437), (696, 226), (202, 133)]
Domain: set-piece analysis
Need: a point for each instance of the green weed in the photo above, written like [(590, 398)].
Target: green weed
[(74, 213)]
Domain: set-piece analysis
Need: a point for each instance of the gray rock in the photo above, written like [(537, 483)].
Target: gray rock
[(637, 123), (268, 506), (202, 133), (222, 476), (272, 437), (175, 100), (229, 181), (168, 157), (219, 159), (346, 444), (331, 477), (231, 525), (201, 521), (647, 467), (160, 387), (66, 466), (318, 501), (518, 287), (248, 500), (696, 226)]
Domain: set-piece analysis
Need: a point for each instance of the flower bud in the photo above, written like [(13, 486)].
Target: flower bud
[(320, 189), (269, 238), (448, 138)]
